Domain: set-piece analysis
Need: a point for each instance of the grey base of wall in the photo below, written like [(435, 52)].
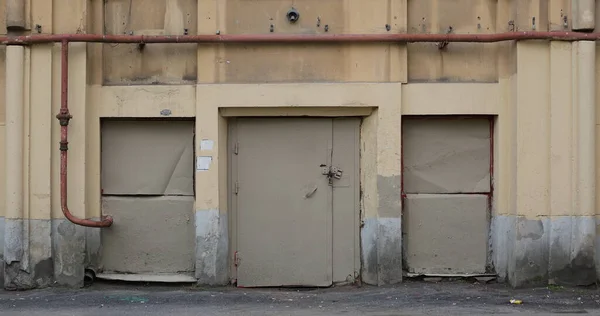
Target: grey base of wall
[(561, 250), (40, 253), (381, 251), (212, 247), (27, 254)]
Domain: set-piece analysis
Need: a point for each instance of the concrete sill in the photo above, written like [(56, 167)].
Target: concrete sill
[(450, 275), (167, 278)]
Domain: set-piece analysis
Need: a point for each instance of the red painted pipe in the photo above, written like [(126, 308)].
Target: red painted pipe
[(64, 116), (301, 38)]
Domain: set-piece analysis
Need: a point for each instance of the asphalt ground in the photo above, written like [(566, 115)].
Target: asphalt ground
[(463, 297)]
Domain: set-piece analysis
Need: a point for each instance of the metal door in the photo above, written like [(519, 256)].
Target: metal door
[(284, 201)]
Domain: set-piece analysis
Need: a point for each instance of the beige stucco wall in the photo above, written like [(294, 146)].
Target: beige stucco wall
[(549, 80), (532, 87)]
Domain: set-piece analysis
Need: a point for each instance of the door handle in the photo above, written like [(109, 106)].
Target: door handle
[(309, 194)]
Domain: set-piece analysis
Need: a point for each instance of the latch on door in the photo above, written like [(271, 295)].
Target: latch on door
[(332, 172), (336, 173)]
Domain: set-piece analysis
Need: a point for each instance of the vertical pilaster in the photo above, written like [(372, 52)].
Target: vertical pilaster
[(530, 253), (68, 239), (212, 244), (380, 176), (561, 157), (211, 193), (389, 180), (583, 264), (16, 263)]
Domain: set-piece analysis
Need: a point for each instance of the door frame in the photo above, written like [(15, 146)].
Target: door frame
[(232, 168)]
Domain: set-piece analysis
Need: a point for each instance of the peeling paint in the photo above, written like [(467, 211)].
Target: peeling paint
[(572, 250), (27, 255), (531, 229), (557, 250), (390, 197), (93, 246), (68, 249), (381, 251), (389, 250), (211, 247), (368, 242), (531, 253), (503, 244)]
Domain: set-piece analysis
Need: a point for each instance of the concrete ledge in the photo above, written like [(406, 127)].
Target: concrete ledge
[(166, 278)]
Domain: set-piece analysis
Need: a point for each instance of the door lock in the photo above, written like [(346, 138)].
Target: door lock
[(332, 172), (336, 173)]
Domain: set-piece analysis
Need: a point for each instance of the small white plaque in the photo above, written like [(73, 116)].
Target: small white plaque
[(206, 144), (203, 163)]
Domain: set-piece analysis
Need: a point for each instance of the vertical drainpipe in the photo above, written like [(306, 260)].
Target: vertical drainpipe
[(15, 15), (13, 246), (583, 15), (586, 108)]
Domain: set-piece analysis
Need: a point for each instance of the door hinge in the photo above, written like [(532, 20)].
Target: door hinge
[(236, 188), (236, 148)]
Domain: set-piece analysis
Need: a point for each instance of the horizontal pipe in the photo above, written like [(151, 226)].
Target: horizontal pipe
[(300, 38)]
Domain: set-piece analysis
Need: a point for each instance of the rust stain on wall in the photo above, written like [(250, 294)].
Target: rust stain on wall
[(152, 64), (457, 62)]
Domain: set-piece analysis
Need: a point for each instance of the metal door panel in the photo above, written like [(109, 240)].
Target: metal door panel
[(346, 260), (284, 203)]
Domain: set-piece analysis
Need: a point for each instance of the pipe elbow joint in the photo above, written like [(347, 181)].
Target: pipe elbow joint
[(107, 220)]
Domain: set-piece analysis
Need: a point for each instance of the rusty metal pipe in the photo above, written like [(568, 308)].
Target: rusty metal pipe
[(63, 117), (301, 38)]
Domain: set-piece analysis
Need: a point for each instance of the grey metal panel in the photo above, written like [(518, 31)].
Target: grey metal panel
[(284, 217), (147, 157), (446, 155), (150, 234), (346, 195), (446, 233)]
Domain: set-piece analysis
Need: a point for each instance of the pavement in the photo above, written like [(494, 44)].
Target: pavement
[(409, 298)]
